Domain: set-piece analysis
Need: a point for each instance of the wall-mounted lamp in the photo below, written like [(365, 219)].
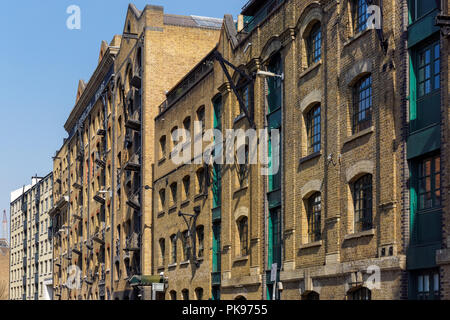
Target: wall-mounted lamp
[(269, 74)]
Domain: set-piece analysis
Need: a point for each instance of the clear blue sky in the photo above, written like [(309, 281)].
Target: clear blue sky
[(41, 62)]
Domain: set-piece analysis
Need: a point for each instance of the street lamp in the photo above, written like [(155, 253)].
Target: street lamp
[(262, 73), (191, 223)]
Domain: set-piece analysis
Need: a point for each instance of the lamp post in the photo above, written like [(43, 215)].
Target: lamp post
[(191, 223)]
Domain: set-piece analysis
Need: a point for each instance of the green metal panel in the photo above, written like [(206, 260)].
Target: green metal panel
[(274, 199), (217, 113), (424, 141), (422, 28), (421, 257), (412, 88), (216, 254), (216, 214)]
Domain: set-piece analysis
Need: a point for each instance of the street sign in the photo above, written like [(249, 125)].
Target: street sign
[(158, 287)]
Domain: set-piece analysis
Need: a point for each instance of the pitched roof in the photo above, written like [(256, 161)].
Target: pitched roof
[(193, 21)]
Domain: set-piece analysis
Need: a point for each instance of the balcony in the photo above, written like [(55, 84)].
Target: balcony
[(98, 159), (89, 278), (77, 248), (78, 214), (68, 255), (134, 121), (89, 244), (100, 196), (101, 132), (77, 184), (99, 236), (133, 164), (133, 242), (134, 201)]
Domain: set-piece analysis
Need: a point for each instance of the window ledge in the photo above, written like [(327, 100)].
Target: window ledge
[(184, 263), (172, 265), (312, 67), (311, 245), (367, 233), (359, 134), (310, 157), (240, 259), (161, 214), (161, 161), (241, 189), (356, 37), (199, 196), (173, 209), (160, 268), (239, 117), (185, 203)]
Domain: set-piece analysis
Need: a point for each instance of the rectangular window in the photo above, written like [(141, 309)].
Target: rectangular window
[(361, 15), (429, 183), (428, 67), (314, 44), (313, 129), (427, 285), (362, 202), (362, 99), (173, 240)]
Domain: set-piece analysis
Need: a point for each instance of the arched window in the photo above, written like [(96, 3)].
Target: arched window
[(173, 295), (200, 180), (310, 295), (185, 294), (173, 242), (314, 218), (240, 298), (173, 191), (186, 186), (362, 104), (201, 117), (162, 144), (314, 44), (361, 293), (199, 293), (313, 129), (243, 235), (162, 199), (162, 251), (200, 240), (186, 246), (187, 124), (362, 203)]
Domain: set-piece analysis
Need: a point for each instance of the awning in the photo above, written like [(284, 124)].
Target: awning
[(145, 280)]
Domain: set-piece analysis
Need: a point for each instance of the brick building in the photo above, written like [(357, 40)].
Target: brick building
[(352, 202), (103, 213), (4, 269), (338, 220)]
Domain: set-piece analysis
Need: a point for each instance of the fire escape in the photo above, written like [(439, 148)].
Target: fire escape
[(132, 178)]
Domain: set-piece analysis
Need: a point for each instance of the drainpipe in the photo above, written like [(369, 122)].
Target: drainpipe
[(113, 184)]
